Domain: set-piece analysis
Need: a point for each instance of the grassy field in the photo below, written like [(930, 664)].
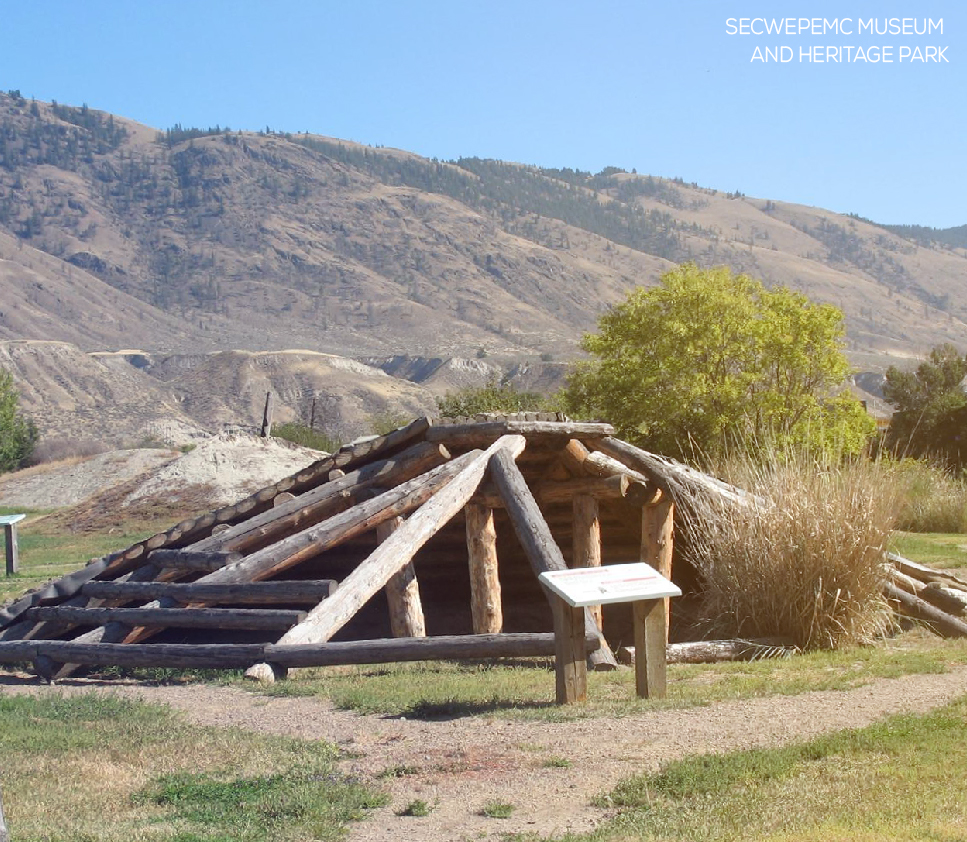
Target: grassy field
[(100, 769), (526, 690), (901, 779), (940, 550)]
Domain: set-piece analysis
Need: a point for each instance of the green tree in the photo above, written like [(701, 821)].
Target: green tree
[(931, 405), (18, 435), (708, 358), (494, 397)]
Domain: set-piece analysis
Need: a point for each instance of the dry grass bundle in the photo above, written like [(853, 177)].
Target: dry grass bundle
[(931, 499), (805, 563)]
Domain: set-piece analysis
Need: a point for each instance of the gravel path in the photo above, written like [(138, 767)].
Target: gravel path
[(459, 765)]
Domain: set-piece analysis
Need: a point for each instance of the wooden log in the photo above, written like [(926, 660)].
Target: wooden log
[(326, 500), (573, 455), (262, 593), (603, 488), (353, 456), (283, 497), (480, 434), (912, 606), (715, 651), (441, 647), (535, 537), (399, 548), (586, 540), (186, 560), (925, 574), (267, 415), (184, 618), (657, 543), (485, 605), (570, 655), (679, 481), (174, 655), (650, 638), (402, 592), (951, 600)]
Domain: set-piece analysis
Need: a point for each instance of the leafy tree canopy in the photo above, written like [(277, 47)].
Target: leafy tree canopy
[(18, 435), (708, 358), (931, 406)]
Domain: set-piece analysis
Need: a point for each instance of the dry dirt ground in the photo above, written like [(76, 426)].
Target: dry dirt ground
[(461, 764)]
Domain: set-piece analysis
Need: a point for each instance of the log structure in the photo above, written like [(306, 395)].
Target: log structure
[(447, 523)]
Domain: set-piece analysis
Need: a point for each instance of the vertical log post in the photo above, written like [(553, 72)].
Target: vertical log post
[(267, 415), (11, 549), (650, 660), (485, 605), (657, 542), (587, 539), (402, 592), (570, 657)]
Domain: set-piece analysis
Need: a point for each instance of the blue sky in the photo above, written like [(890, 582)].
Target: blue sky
[(660, 87)]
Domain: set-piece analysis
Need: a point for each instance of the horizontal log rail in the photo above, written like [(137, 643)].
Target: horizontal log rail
[(182, 618), (263, 593), (242, 655)]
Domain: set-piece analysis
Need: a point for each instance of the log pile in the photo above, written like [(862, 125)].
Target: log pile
[(937, 600)]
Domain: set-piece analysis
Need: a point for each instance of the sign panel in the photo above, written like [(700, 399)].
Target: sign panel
[(583, 586), (10, 520)]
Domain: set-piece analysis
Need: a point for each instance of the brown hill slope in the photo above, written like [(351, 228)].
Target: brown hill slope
[(276, 241), (127, 397)]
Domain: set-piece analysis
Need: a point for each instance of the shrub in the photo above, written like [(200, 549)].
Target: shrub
[(931, 499), (494, 397), (60, 448), (305, 436), (804, 562)]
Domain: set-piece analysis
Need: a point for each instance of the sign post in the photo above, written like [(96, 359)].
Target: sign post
[(9, 523), (639, 584)]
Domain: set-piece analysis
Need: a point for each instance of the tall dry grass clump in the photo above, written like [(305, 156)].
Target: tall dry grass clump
[(804, 560), (931, 499)]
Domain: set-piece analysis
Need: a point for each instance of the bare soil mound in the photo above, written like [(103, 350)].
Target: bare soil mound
[(155, 485)]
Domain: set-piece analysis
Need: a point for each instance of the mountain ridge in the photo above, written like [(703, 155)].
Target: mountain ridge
[(113, 234)]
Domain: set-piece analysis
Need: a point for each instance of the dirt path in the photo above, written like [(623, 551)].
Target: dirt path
[(459, 765)]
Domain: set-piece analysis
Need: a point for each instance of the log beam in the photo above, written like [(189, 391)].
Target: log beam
[(586, 540), (262, 593), (402, 592), (650, 635), (657, 543), (535, 537), (485, 604)]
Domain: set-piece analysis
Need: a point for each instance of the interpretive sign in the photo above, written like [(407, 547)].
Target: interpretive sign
[(582, 586)]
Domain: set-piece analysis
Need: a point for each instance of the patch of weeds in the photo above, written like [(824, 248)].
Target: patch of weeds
[(263, 807), (497, 810), (418, 808), (557, 763), (398, 772)]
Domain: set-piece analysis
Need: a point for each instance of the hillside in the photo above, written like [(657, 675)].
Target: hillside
[(129, 397), (115, 235)]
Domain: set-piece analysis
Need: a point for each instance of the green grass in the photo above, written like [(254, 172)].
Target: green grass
[(433, 690), (937, 549), (896, 780), (99, 768)]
